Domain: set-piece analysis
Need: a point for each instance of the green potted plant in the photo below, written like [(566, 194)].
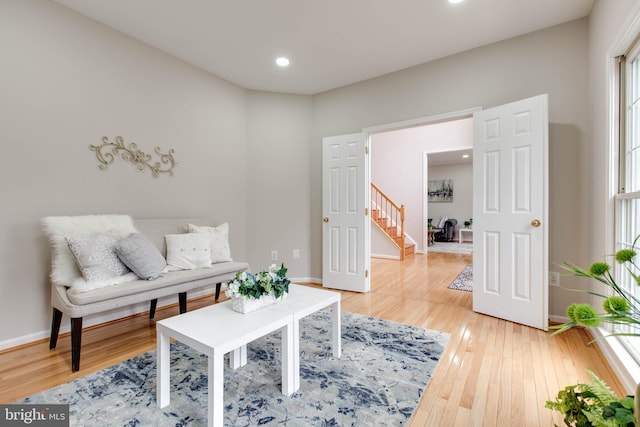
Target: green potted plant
[(593, 404), (621, 307), (467, 223)]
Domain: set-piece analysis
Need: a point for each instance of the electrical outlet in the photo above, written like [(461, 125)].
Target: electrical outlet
[(274, 255), (296, 254), (554, 278)]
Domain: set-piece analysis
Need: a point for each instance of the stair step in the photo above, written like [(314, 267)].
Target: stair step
[(409, 249)]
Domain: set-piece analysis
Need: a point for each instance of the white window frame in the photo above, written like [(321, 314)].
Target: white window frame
[(621, 360), (627, 197)]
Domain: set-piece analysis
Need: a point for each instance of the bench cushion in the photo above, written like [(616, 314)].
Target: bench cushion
[(164, 281)]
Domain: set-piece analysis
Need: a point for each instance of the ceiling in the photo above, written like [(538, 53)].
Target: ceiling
[(450, 157), (331, 43)]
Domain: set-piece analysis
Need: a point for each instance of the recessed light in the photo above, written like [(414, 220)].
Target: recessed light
[(465, 156), (455, 1), (282, 61)]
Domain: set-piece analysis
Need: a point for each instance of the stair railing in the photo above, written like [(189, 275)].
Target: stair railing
[(390, 219)]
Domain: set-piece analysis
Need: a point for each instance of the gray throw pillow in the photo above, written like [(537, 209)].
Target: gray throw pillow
[(141, 256)]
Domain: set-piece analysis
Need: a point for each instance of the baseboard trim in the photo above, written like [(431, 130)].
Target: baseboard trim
[(623, 365), (99, 319), (383, 256)]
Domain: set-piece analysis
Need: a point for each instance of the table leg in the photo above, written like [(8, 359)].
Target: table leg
[(289, 359), (337, 329), (296, 354), (216, 389), (162, 368), (238, 357)]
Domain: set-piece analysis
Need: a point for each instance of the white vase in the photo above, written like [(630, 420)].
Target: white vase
[(244, 305)]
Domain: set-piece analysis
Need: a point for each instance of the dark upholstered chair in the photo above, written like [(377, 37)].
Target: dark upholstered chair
[(446, 235)]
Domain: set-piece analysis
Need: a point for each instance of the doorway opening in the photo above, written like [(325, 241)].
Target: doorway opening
[(449, 212), (400, 159)]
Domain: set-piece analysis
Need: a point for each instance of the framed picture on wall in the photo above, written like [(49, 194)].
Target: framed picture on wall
[(440, 190)]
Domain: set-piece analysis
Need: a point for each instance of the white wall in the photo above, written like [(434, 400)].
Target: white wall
[(552, 61), (67, 81), (278, 184), (461, 208)]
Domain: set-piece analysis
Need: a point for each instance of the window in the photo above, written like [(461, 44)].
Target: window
[(627, 209)]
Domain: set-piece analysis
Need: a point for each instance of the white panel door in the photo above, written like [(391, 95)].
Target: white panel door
[(510, 169), (345, 207)]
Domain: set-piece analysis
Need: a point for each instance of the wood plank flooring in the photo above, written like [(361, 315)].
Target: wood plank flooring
[(493, 372)]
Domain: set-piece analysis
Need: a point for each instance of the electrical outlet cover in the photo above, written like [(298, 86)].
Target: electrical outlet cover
[(554, 278)]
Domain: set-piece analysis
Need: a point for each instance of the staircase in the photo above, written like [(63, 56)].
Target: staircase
[(389, 217)]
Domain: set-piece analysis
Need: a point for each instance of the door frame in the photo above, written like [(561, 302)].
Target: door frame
[(425, 187), (420, 121)]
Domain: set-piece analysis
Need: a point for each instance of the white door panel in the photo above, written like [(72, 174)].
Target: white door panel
[(510, 173), (345, 202)]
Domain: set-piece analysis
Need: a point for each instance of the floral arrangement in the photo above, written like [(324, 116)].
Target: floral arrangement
[(594, 404), (274, 281)]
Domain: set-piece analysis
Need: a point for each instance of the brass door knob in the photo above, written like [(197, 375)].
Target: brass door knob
[(536, 223), (325, 219)]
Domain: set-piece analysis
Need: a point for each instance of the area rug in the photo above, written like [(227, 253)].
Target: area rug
[(384, 369), (451, 247), (464, 281)]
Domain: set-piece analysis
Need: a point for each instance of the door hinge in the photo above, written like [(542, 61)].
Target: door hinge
[(366, 211), (366, 149), (366, 274)]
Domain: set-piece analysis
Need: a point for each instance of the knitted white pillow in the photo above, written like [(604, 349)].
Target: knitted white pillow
[(96, 257), (218, 241)]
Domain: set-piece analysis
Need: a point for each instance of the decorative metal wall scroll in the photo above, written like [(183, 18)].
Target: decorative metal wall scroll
[(109, 151)]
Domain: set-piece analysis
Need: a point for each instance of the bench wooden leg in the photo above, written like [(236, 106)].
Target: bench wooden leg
[(182, 299), (152, 308), (76, 341), (55, 328), (218, 286)]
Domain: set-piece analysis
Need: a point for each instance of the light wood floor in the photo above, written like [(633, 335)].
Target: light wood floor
[(493, 372)]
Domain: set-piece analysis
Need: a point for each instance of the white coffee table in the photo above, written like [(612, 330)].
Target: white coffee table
[(465, 230), (217, 330)]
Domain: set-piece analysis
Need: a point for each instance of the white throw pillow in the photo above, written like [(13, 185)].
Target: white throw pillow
[(443, 220), (187, 251), (218, 241)]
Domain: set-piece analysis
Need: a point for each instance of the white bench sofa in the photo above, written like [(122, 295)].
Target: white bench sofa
[(65, 274)]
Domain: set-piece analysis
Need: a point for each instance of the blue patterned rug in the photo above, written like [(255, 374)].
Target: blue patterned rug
[(464, 281), (378, 381)]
